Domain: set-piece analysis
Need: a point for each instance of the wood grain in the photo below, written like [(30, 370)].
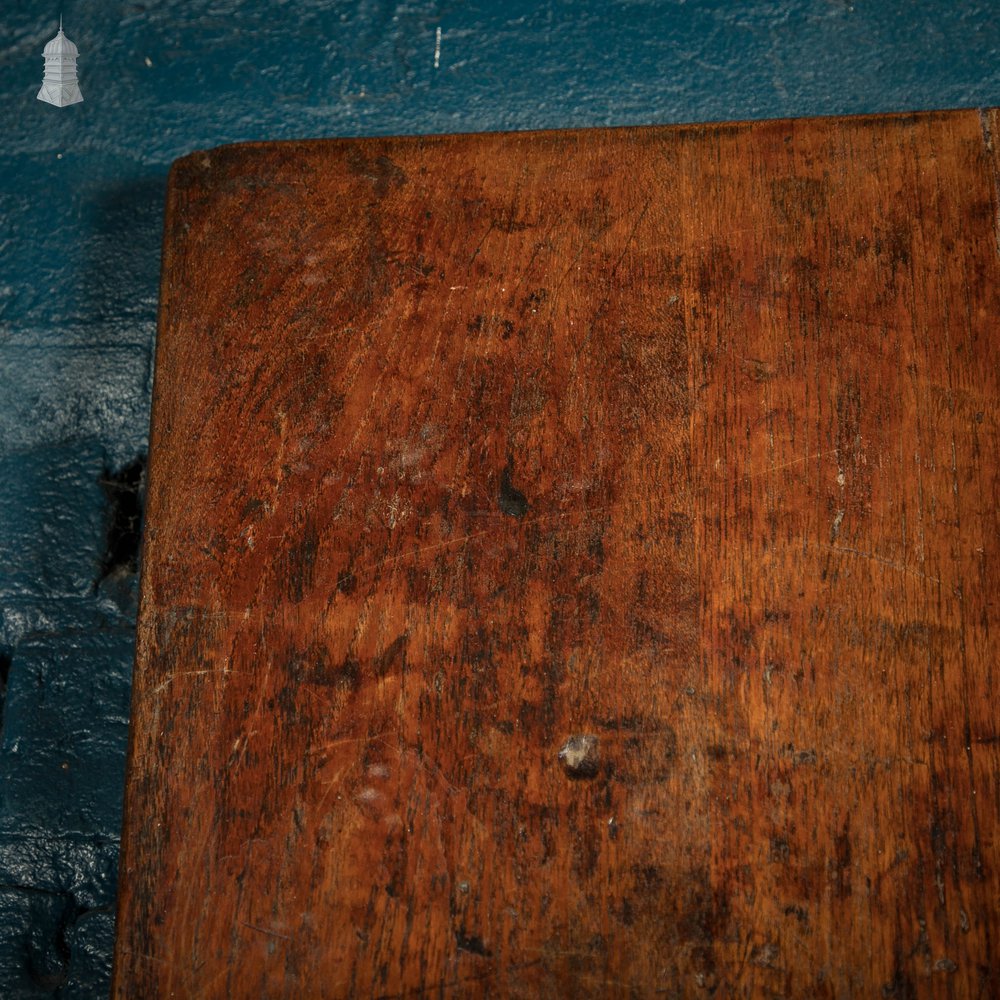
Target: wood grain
[(571, 569)]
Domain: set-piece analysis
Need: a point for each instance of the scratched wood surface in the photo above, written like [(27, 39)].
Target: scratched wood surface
[(571, 569)]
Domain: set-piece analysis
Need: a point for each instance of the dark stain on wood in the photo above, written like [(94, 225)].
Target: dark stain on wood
[(571, 569), (511, 500)]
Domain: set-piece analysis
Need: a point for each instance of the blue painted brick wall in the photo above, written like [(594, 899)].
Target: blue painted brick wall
[(81, 192)]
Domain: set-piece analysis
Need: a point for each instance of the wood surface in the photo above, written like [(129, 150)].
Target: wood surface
[(571, 569)]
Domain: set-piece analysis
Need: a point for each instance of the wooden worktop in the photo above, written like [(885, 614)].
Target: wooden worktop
[(571, 569)]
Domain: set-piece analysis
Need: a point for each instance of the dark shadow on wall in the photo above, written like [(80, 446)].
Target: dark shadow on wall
[(124, 489), (67, 671), (118, 301), (121, 271), (121, 295)]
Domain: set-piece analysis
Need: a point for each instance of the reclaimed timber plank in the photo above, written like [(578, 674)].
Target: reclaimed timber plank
[(571, 568)]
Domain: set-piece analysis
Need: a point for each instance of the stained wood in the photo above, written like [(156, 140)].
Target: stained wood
[(571, 568)]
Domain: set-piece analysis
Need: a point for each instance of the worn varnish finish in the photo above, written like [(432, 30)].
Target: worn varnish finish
[(571, 569)]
